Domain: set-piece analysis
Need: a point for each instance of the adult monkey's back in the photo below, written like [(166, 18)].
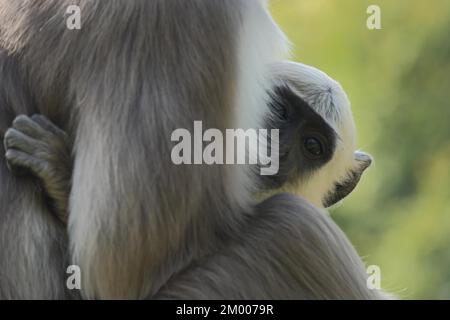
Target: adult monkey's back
[(136, 71)]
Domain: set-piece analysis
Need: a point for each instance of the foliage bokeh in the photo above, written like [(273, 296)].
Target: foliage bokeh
[(398, 79)]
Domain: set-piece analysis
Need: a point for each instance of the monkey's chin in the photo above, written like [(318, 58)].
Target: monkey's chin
[(334, 206)]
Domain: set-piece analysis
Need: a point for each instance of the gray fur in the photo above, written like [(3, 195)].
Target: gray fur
[(287, 250), (115, 125), (33, 244), (38, 146), (140, 226)]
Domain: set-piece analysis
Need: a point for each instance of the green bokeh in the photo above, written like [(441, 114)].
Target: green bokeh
[(398, 79)]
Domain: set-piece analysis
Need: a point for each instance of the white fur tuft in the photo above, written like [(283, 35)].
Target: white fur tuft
[(261, 43)]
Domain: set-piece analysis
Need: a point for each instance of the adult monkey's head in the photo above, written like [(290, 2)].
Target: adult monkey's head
[(318, 156)]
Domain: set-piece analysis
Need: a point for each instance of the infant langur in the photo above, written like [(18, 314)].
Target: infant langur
[(318, 157), (316, 147)]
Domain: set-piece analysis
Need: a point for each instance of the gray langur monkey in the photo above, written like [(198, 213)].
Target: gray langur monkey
[(135, 72), (319, 160), (140, 226), (254, 265)]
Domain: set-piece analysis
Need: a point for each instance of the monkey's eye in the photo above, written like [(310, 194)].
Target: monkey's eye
[(313, 146)]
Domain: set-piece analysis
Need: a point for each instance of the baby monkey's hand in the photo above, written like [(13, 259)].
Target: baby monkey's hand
[(34, 144)]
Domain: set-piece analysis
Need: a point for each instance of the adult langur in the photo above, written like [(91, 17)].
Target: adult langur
[(287, 248), (138, 225)]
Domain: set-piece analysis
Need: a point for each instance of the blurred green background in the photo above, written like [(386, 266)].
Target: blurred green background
[(398, 80)]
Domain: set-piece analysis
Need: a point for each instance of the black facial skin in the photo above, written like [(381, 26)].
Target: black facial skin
[(307, 142)]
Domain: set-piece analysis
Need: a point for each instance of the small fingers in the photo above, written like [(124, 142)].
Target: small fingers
[(46, 124), (15, 139), (26, 125), (18, 161)]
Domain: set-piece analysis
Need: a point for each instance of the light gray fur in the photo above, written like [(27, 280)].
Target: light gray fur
[(115, 89), (135, 72), (287, 250)]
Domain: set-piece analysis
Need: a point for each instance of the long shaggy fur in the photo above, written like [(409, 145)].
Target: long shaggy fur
[(140, 226), (120, 97), (287, 250)]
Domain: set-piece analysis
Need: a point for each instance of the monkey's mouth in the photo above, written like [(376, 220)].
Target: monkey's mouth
[(343, 188)]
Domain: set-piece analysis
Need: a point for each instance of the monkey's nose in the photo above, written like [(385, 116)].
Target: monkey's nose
[(364, 160)]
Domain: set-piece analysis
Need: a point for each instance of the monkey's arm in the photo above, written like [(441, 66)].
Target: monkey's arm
[(35, 144)]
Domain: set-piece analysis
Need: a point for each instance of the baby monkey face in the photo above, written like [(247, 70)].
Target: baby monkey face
[(318, 156)]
